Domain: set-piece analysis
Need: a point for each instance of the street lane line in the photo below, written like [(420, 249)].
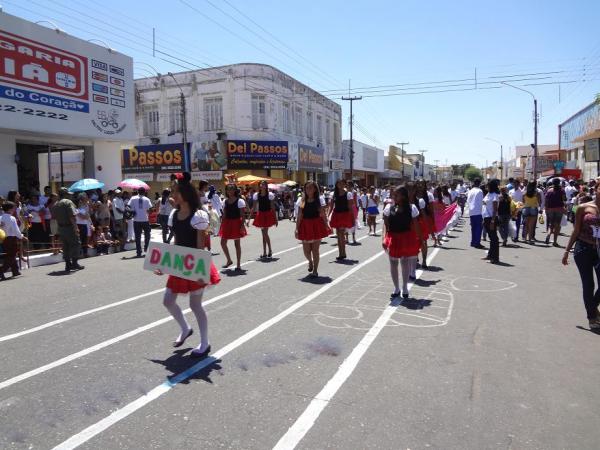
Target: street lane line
[(19, 334), (120, 414), (310, 415), (101, 345)]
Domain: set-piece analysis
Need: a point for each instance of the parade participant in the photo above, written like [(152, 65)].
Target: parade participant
[(586, 240), (531, 209), (372, 200), (140, 204), (556, 200), (232, 225), (189, 223), (264, 207), (65, 213), (475, 204), (401, 238), (342, 216), (425, 218), (13, 235), (490, 222), (311, 225)]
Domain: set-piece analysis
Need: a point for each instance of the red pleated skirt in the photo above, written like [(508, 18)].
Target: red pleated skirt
[(402, 244), (313, 230), (265, 219), (182, 286), (342, 220), (232, 229)]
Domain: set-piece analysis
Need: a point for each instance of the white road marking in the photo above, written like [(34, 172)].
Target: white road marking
[(120, 414), (308, 418), (101, 345), (19, 334)]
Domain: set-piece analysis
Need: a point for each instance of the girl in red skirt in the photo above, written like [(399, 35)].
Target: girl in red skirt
[(232, 224), (189, 225), (311, 225), (401, 237), (342, 215), (264, 206)]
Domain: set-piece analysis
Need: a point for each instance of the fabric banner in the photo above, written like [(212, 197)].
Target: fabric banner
[(443, 215)]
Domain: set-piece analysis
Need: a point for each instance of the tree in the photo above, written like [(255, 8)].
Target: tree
[(472, 172)]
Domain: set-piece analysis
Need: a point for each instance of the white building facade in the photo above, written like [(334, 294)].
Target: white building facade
[(241, 103)]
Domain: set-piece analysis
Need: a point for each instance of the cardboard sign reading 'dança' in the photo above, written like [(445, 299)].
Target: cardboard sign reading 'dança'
[(183, 262)]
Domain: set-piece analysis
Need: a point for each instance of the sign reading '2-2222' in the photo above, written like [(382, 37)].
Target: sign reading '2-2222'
[(51, 82)]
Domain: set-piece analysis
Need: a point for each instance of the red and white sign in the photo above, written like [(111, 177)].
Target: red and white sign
[(31, 64)]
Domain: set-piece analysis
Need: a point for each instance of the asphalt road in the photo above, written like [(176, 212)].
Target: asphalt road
[(480, 357)]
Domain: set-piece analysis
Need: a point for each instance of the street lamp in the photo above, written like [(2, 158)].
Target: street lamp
[(501, 157), (183, 115), (535, 126)]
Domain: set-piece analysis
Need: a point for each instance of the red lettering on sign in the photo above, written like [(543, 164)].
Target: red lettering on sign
[(24, 62)]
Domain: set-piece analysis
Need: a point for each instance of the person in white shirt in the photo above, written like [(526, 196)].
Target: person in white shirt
[(475, 204), (13, 235), (491, 202), (140, 204)]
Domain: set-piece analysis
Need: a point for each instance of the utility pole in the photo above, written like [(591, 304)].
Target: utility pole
[(351, 100), (422, 152), (402, 144), (183, 114)]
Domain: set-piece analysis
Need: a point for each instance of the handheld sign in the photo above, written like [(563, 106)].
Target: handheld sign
[(183, 262)]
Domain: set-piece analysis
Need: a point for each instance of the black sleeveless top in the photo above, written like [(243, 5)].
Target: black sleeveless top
[(264, 204), (399, 221), (185, 234), (231, 210), (341, 203), (311, 210)]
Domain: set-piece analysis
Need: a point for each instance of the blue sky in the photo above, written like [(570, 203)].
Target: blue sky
[(377, 43)]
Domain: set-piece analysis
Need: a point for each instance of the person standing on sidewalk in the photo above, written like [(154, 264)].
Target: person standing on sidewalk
[(140, 204), (13, 235), (65, 213), (555, 208), (586, 238), (491, 201), (475, 204)]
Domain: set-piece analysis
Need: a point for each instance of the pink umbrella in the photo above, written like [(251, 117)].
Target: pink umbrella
[(133, 184)]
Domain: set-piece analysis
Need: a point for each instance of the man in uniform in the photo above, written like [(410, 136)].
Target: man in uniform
[(64, 211)]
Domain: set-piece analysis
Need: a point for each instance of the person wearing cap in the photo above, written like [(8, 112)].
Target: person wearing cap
[(65, 213), (140, 204)]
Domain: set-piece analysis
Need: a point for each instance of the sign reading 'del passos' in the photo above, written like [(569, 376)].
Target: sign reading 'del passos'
[(51, 82), (257, 154), (183, 262), (155, 158)]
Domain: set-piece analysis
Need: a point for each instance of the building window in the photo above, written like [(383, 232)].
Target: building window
[(309, 125), (213, 114), (151, 123), (327, 131), (259, 112), (319, 129), (299, 121), (175, 117), (287, 124)]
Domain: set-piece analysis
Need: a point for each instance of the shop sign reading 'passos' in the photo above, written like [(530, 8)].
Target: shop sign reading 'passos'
[(257, 154)]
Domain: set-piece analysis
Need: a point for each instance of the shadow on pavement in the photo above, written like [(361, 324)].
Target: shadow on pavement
[(179, 362), (316, 280)]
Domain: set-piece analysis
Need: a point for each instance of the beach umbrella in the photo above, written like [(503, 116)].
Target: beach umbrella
[(133, 184), (87, 184)]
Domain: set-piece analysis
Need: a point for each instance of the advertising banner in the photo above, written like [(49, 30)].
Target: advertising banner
[(257, 155), (155, 158), (183, 262), (311, 159), (54, 83)]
